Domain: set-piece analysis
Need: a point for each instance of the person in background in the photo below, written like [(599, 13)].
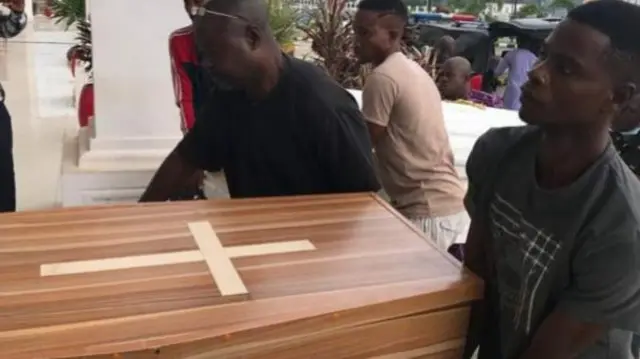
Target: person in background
[(191, 86), (555, 211), (517, 63), (475, 82), (186, 70), (283, 127), (489, 81), (443, 49), (10, 25), (454, 84), (625, 134), (403, 110)]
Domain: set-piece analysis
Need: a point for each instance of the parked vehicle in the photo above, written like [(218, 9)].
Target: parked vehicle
[(532, 30), (427, 17), (478, 42), (472, 40)]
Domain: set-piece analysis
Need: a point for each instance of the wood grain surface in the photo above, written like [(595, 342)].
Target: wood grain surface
[(369, 270)]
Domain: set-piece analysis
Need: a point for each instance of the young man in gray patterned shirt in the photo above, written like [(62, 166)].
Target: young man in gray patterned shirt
[(11, 25), (555, 229)]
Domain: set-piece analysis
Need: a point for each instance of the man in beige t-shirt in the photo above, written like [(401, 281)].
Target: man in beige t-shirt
[(402, 106)]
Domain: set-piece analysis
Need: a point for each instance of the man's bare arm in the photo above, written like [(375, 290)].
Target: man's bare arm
[(375, 132), (562, 337), (603, 294), (378, 98), (173, 175)]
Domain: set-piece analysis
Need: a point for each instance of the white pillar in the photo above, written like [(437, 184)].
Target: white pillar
[(28, 8), (136, 119), (137, 122)]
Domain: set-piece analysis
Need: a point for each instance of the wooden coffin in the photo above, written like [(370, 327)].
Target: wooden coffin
[(341, 276)]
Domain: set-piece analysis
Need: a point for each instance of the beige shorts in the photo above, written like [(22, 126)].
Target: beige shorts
[(445, 231)]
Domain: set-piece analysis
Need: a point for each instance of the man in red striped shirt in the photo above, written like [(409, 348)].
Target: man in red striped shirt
[(186, 70), (191, 85), (180, 48)]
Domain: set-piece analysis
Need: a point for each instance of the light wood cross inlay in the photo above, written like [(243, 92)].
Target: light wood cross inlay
[(220, 267), (210, 250)]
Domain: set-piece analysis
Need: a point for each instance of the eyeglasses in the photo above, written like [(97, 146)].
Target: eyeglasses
[(202, 11)]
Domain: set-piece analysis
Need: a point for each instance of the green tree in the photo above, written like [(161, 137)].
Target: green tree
[(529, 10), (456, 5), (475, 7), (416, 2), (283, 21), (534, 10), (562, 4)]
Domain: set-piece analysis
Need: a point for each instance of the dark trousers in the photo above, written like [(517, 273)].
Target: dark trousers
[(7, 176)]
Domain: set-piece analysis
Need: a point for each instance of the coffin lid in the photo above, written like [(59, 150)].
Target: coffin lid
[(366, 264)]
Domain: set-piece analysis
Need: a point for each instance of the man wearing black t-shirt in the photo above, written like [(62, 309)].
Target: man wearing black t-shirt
[(288, 129)]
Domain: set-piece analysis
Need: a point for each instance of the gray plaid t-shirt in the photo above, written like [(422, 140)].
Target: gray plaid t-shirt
[(574, 249)]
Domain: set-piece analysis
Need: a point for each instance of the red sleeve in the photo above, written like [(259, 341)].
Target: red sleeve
[(182, 87), (476, 82)]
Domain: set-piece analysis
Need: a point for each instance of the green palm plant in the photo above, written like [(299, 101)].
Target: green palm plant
[(73, 12), (283, 20), (332, 39), (84, 47), (68, 12)]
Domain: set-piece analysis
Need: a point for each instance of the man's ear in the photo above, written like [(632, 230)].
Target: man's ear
[(623, 94), (253, 37)]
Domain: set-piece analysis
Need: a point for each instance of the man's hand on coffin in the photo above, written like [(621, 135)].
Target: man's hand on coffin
[(15, 5), (174, 174)]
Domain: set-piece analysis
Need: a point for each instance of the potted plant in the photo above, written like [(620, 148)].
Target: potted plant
[(330, 32), (68, 12), (283, 20), (84, 54), (73, 13), (82, 51)]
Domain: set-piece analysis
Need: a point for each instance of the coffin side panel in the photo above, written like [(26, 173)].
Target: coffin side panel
[(435, 335)]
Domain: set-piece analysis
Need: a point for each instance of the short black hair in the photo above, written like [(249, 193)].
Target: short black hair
[(395, 7), (620, 21)]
